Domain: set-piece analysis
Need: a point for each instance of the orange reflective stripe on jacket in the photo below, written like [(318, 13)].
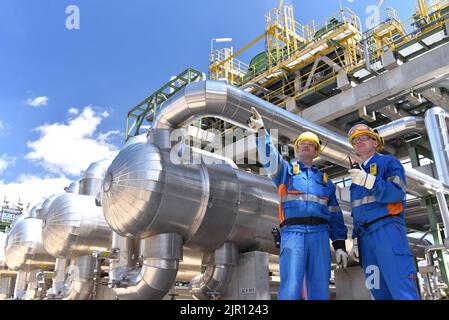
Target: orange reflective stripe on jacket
[(395, 208), (294, 192), (282, 193)]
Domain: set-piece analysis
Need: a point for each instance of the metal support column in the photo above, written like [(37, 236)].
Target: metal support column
[(437, 238)]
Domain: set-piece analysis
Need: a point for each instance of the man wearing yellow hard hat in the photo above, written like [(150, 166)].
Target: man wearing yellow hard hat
[(378, 202), (309, 215)]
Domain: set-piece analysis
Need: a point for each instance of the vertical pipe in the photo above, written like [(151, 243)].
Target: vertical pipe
[(59, 279), (20, 287), (435, 120)]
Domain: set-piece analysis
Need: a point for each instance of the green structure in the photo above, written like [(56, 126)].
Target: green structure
[(146, 109)]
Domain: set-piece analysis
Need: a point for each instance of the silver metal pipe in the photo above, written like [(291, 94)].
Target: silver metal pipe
[(58, 285), (126, 257), (74, 187), (430, 250), (218, 99), (224, 101), (80, 279), (403, 126), (31, 291), (92, 178), (34, 212), (145, 193), (435, 119), (2, 250), (43, 210), (75, 226), (24, 249), (214, 281), (20, 285), (158, 273), (7, 282)]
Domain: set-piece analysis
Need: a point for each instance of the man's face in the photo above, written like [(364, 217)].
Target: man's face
[(306, 150), (364, 144)]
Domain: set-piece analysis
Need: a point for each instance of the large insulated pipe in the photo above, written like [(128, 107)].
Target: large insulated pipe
[(75, 226), (215, 279), (7, 286), (161, 255), (2, 250), (401, 127), (435, 119), (20, 286), (74, 187), (126, 256), (224, 101), (80, 279), (92, 178), (43, 210), (31, 291), (145, 194), (34, 212), (58, 287), (24, 247)]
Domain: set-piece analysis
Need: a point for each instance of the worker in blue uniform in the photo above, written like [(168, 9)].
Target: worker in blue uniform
[(309, 215), (378, 202)]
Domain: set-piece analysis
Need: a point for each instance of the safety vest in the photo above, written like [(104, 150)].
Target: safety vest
[(291, 195)]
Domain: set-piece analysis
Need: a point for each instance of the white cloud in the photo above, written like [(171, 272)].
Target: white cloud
[(32, 189), (73, 111), (5, 162), (38, 101), (69, 148), (2, 126)]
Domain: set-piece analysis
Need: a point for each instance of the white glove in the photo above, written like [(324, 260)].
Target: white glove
[(362, 178), (255, 122), (355, 249), (341, 257)]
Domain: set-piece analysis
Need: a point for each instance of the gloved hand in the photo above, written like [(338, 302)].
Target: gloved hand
[(355, 249), (362, 178), (341, 257), (255, 122)]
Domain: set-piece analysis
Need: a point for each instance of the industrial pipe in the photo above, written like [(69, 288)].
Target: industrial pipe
[(24, 248), (75, 226), (403, 126), (215, 279), (161, 255), (125, 257), (231, 104), (7, 286), (80, 279), (20, 285), (58, 287), (92, 178), (435, 119)]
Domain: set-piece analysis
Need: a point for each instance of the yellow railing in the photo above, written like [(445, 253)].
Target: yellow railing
[(292, 46), (426, 19)]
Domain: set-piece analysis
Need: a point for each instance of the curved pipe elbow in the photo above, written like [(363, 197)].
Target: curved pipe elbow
[(81, 289), (152, 283), (158, 273), (214, 281)]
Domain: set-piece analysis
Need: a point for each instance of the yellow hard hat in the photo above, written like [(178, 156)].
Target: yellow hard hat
[(360, 129), (309, 136)]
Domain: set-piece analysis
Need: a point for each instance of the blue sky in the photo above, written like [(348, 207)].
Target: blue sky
[(64, 94)]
